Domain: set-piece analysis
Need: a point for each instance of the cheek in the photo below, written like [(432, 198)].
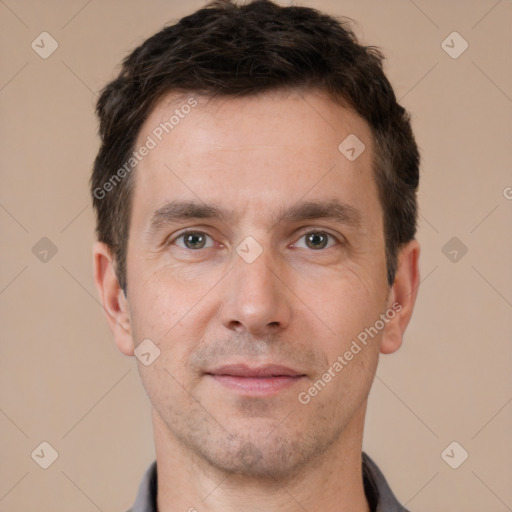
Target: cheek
[(160, 302), (344, 303), (161, 312), (346, 307), (171, 313)]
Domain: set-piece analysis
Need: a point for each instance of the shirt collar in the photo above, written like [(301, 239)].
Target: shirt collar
[(378, 493)]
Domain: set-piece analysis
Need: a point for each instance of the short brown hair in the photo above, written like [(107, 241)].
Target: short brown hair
[(229, 49)]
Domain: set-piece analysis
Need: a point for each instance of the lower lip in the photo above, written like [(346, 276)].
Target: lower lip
[(257, 385)]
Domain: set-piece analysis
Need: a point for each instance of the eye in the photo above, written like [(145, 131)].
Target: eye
[(317, 240), (193, 240)]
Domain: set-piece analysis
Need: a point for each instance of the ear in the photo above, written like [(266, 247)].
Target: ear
[(402, 297), (112, 296)]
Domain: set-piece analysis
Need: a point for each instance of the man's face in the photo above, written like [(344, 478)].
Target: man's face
[(269, 283)]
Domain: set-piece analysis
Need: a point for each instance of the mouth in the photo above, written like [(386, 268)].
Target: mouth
[(256, 381)]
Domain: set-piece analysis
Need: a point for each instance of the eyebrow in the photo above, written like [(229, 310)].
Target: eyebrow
[(334, 210)]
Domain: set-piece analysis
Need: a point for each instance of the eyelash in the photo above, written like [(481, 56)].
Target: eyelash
[(194, 232)]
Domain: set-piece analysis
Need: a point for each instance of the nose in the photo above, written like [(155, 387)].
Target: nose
[(256, 296)]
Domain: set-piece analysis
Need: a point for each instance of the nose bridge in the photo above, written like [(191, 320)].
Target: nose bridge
[(254, 269), (257, 270)]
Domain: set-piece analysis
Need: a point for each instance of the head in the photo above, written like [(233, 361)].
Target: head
[(255, 193)]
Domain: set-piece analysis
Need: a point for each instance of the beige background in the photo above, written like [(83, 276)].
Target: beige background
[(62, 380)]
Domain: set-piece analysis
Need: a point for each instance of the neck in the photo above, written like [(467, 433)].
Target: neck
[(332, 481)]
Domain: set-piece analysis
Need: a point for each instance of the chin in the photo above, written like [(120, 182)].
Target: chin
[(264, 457)]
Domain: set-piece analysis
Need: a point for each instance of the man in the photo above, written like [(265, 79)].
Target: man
[(256, 211)]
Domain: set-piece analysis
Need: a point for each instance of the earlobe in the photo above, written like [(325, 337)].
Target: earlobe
[(402, 297), (112, 297)]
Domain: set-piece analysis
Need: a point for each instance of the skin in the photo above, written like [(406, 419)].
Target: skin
[(299, 304)]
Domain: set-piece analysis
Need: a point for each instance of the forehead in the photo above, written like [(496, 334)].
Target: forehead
[(253, 152), (281, 117)]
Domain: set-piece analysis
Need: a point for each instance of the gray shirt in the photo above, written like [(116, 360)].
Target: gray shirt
[(377, 491)]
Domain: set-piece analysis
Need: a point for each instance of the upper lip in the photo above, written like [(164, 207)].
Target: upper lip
[(242, 370)]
